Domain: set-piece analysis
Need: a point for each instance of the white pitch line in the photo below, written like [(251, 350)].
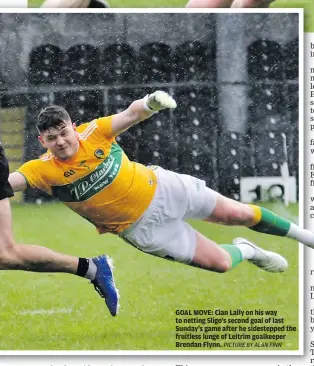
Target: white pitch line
[(45, 311)]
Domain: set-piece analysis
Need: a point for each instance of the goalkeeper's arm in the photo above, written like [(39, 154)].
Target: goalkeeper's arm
[(140, 110), (75, 4), (65, 4)]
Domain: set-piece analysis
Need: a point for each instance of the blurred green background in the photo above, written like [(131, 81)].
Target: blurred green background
[(307, 5)]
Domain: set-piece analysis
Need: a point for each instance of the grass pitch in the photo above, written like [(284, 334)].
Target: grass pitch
[(63, 312), (307, 5)]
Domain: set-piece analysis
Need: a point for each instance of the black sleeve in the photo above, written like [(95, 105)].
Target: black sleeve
[(5, 188), (98, 4)]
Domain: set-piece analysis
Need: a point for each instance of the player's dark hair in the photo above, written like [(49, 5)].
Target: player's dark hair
[(51, 116)]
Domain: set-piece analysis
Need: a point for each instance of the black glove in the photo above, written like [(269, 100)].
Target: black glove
[(98, 4)]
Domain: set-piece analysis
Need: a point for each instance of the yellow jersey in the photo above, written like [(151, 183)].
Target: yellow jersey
[(99, 183)]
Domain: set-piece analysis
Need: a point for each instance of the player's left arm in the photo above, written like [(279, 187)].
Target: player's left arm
[(140, 110)]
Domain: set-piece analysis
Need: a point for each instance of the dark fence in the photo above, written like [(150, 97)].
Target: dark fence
[(91, 82)]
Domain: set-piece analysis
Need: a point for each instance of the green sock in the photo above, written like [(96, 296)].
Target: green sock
[(268, 222), (234, 252)]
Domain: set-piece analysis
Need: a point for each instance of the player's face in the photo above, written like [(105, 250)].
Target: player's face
[(62, 141)]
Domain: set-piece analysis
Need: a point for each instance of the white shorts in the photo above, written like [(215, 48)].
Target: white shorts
[(162, 231)]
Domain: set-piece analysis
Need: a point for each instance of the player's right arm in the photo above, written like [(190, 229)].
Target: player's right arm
[(29, 174), (140, 110), (17, 182)]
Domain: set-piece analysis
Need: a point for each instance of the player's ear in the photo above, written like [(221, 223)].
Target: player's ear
[(74, 126), (41, 140)]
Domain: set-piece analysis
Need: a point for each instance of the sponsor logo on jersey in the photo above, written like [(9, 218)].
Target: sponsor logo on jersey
[(86, 187), (99, 153)]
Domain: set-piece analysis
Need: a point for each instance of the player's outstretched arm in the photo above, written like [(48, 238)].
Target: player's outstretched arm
[(228, 3), (66, 4), (209, 4), (141, 109), (17, 182), (251, 3)]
